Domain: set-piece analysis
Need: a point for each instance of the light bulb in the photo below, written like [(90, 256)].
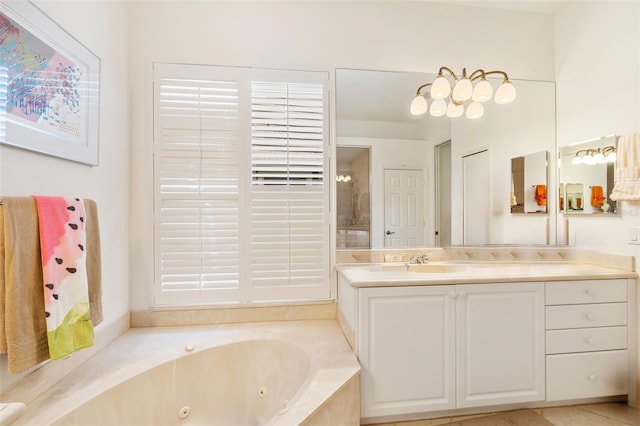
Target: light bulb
[(438, 108), (588, 159), (506, 93), (576, 160), (483, 91), (475, 110), (418, 105), (599, 158), (463, 90), (440, 88), (611, 157), (454, 111)]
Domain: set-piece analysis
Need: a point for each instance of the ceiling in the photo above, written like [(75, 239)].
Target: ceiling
[(538, 6)]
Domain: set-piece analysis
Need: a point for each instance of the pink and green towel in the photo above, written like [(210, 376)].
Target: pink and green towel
[(66, 292)]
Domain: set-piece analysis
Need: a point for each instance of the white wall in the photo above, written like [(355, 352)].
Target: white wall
[(598, 93), (24, 173), (402, 36)]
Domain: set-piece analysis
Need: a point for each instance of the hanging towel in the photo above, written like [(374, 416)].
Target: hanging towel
[(596, 196), (23, 332), (64, 267), (541, 195), (627, 176)]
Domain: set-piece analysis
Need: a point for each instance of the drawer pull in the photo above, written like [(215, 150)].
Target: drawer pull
[(590, 317), (592, 377), (591, 340), (589, 291), (453, 295), (462, 294)]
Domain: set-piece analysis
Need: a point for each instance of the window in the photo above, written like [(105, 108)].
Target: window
[(241, 212)]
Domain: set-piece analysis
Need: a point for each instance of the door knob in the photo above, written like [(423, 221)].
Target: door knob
[(389, 232)]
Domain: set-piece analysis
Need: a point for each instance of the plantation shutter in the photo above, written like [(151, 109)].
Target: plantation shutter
[(289, 243), (197, 135), (240, 163)]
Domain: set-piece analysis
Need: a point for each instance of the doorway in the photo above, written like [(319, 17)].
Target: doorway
[(443, 194), (476, 203), (403, 208)]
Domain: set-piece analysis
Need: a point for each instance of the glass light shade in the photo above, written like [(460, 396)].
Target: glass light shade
[(438, 108), (454, 111), (588, 159), (418, 105), (440, 88), (576, 160), (475, 110), (463, 90), (599, 158), (506, 93), (611, 157), (483, 91)]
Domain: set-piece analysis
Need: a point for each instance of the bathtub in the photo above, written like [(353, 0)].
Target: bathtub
[(280, 373)]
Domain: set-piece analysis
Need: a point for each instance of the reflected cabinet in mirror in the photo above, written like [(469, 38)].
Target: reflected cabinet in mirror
[(587, 173), (439, 181)]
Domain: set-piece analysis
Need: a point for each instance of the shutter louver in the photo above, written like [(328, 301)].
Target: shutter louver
[(197, 133)]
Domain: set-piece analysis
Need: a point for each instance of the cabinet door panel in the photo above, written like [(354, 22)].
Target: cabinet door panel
[(500, 344), (406, 350)]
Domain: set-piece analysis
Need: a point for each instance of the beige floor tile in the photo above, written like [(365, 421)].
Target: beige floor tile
[(572, 416), (509, 418), (616, 410), (468, 417), (426, 422)]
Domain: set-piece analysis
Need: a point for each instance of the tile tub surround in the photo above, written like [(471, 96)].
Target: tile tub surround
[(333, 366)]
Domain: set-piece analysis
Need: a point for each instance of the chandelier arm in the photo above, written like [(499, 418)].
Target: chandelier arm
[(473, 75), (455, 77), (422, 87), (502, 73)]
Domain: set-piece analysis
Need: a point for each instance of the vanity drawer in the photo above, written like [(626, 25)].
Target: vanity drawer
[(586, 340), (587, 375), (585, 291), (586, 316)]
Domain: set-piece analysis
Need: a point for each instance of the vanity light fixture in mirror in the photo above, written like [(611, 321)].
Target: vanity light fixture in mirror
[(463, 91), (587, 171)]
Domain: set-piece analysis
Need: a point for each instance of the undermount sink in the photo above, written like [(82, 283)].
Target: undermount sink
[(434, 268)]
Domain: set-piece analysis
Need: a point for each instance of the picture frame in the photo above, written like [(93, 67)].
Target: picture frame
[(49, 86)]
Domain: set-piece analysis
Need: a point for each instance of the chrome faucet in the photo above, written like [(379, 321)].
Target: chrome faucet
[(417, 260)]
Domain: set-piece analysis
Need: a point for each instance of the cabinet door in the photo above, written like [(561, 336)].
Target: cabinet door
[(500, 343), (405, 347)]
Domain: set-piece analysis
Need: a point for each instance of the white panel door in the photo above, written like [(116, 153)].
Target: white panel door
[(405, 345), (403, 208), (500, 344), (476, 205)]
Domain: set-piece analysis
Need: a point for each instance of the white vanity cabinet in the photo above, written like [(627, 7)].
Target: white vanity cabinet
[(587, 339), (429, 348)]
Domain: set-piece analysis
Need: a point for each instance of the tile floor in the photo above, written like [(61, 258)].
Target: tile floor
[(606, 414)]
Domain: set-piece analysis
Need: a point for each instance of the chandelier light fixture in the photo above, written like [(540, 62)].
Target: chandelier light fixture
[(595, 156), (473, 89)]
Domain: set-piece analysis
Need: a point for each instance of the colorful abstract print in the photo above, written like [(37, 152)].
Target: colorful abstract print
[(43, 85)]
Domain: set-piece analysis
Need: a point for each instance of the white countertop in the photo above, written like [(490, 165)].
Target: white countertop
[(461, 272)]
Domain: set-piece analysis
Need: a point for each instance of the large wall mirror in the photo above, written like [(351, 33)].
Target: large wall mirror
[(587, 172), (436, 181)]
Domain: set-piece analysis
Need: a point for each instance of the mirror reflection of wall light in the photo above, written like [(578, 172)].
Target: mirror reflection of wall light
[(595, 156), (343, 178)]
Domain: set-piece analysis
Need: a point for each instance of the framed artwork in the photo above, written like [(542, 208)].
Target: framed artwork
[(49, 86)]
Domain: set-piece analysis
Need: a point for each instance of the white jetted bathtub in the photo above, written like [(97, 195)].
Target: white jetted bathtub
[(282, 373)]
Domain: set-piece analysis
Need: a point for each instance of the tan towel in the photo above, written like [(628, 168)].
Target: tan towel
[(24, 321), (627, 187), (23, 331)]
